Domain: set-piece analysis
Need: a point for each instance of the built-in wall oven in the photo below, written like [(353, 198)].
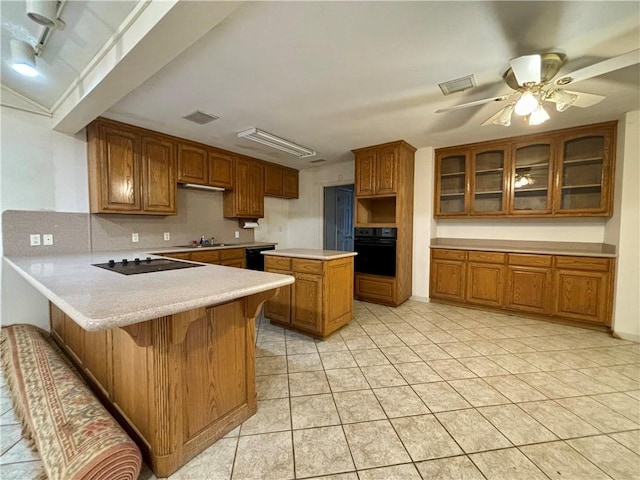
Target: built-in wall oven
[(376, 249)]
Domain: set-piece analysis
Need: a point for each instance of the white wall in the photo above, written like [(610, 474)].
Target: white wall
[(623, 229), (275, 226), (306, 213), (40, 170), (423, 224)]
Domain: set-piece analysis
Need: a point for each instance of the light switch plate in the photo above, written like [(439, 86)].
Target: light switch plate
[(237, 234), (34, 239), (135, 238), (167, 236), (47, 239)]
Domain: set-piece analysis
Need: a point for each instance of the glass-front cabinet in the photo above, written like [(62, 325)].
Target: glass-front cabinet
[(583, 174), (566, 172), (488, 180), (531, 178), (451, 186)]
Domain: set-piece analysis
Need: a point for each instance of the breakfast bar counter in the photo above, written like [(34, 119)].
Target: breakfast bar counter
[(171, 353)]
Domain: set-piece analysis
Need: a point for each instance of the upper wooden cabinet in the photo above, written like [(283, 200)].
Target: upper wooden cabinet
[(247, 200), (561, 173), (280, 181), (130, 170), (377, 170), (204, 166)]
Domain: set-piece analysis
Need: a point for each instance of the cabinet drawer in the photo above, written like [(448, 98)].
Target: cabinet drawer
[(593, 264), (231, 254), (307, 266), (236, 262), (447, 254), (176, 255), (277, 263), (530, 260), (487, 257), (209, 256)]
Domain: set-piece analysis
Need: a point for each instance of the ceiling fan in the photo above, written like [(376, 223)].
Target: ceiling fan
[(531, 76)]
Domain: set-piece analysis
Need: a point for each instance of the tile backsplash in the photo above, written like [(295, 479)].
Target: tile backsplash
[(199, 213)]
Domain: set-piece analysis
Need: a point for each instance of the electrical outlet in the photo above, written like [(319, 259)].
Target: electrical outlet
[(34, 239), (135, 238), (167, 236), (47, 239), (237, 234)]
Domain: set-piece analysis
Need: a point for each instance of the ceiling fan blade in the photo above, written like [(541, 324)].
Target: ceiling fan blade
[(501, 117), (526, 68), (586, 99), (600, 68), (473, 104)]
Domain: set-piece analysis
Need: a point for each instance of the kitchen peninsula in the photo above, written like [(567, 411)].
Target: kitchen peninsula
[(171, 353)]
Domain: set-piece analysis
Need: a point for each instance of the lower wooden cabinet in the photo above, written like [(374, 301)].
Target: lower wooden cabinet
[(375, 288), (231, 257), (319, 302), (553, 286)]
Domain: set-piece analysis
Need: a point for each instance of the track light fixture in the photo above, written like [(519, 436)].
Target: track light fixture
[(45, 13), (23, 58)]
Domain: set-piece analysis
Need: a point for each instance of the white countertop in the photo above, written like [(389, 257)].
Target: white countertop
[(580, 249), (98, 299), (310, 253)]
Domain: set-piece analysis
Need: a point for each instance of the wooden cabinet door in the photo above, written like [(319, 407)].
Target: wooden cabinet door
[(451, 184), (236, 263), (290, 183), (386, 171), (528, 289), (584, 177), (193, 164), (158, 176), (488, 180), (273, 180), (220, 170), (241, 193), (278, 308), (256, 190), (582, 295), (447, 280), (530, 177), (365, 172), (485, 284), (307, 311), (120, 170)]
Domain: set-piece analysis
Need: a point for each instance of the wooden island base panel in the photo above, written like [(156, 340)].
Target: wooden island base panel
[(177, 383), (321, 299)]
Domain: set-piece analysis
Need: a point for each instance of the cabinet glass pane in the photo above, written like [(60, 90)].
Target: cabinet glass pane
[(453, 180), (582, 173), (489, 180), (531, 177)]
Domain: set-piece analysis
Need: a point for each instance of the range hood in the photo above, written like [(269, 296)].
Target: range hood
[(201, 187)]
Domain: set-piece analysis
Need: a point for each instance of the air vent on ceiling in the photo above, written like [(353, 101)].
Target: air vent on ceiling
[(200, 118), (458, 85), (319, 160)]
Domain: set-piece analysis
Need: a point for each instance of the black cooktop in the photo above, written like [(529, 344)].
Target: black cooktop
[(148, 265)]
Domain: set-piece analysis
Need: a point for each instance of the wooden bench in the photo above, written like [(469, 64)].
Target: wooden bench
[(74, 434)]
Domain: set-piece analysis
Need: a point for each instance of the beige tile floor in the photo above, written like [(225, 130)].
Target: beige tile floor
[(423, 391)]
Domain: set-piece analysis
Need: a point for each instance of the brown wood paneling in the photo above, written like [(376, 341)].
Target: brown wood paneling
[(486, 257), (193, 164), (273, 181), (290, 183), (485, 284), (220, 169), (528, 289), (338, 294), (97, 357), (277, 263), (447, 279), (232, 254), (377, 288), (206, 256), (307, 312), (530, 260), (582, 295), (178, 255), (120, 170), (307, 266), (442, 254), (278, 308), (583, 263), (365, 172), (385, 171), (158, 176), (236, 263)]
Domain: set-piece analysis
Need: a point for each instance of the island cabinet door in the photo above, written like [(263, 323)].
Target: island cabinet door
[(307, 311)]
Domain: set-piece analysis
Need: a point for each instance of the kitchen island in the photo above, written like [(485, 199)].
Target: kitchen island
[(321, 300), (171, 353)]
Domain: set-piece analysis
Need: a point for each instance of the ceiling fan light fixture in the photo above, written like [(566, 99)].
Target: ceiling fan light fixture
[(538, 116), (23, 58), (504, 118), (563, 99), (526, 104)]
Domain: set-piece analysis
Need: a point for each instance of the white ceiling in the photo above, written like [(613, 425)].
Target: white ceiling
[(334, 76)]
